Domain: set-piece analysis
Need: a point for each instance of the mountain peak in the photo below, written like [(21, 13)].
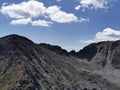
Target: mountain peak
[(14, 38), (11, 36), (15, 44)]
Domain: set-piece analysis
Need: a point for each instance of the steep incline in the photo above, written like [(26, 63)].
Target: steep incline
[(104, 58), (100, 53), (25, 65)]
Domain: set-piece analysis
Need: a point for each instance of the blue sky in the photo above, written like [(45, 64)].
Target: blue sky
[(71, 24)]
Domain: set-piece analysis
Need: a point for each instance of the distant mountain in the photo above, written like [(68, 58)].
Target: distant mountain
[(25, 65)]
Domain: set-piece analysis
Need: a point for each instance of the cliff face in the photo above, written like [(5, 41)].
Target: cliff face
[(103, 58), (25, 65), (100, 53)]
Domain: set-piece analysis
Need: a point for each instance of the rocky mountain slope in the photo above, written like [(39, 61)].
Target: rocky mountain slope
[(25, 65), (104, 59)]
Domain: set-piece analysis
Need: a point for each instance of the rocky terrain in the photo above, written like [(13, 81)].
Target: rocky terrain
[(103, 58), (25, 65)]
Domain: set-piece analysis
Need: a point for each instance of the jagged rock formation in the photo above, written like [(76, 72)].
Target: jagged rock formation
[(25, 65)]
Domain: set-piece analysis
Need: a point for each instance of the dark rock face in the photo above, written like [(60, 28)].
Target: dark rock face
[(116, 60), (102, 51), (88, 52), (56, 49), (25, 65)]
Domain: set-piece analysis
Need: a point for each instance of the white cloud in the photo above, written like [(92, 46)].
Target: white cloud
[(58, 0), (93, 4), (20, 21), (84, 19), (41, 23), (34, 9), (24, 10), (28, 20), (59, 16), (77, 7), (107, 34), (88, 41)]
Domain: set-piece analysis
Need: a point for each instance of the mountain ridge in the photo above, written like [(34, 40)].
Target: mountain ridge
[(25, 65)]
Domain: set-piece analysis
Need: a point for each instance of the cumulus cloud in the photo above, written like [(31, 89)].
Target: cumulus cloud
[(34, 9), (93, 4), (24, 9), (59, 16), (84, 19), (21, 21), (41, 23), (107, 34)]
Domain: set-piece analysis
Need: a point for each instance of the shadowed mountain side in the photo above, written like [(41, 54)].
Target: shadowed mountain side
[(56, 49)]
